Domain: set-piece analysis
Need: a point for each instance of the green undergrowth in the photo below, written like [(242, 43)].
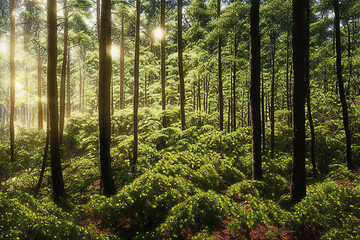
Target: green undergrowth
[(192, 184)]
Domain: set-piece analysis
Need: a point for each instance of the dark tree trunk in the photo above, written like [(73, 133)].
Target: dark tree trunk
[(52, 96), (105, 67), (221, 98), (272, 101), (341, 87), (234, 88), (298, 184), (12, 79), (136, 86), (180, 64), (255, 89), (122, 66), (40, 108), (63, 74)]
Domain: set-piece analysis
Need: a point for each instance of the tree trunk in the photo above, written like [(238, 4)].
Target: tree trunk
[(40, 109), (163, 94), (341, 86), (63, 74), (234, 87), (52, 95), (221, 98), (180, 64), (272, 101), (255, 89), (136, 86), (122, 66), (298, 184), (263, 111), (12, 79), (80, 86), (68, 96), (105, 68)]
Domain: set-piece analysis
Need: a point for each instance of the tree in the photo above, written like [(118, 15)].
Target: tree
[(180, 65), (12, 79), (136, 86), (122, 65), (40, 108), (52, 96), (341, 86), (255, 90), (63, 72), (221, 98), (68, 95), (163, 72), (105, 68), (298, 183)]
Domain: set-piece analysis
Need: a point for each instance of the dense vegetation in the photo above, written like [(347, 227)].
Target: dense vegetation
[(193, 173)]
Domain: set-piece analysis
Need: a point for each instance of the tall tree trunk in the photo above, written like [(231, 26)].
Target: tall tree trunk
[(307, 85), (298, 184), (272, 101), (234, 87), (12, 79), (341, 86), (68, 94), (80, 86), (40, 108), (136, 86), (180, 64), (122, 65), (263, 117), (221, 98), (198, 93), (105, 68), (52, 96), (255, 89), (63, 74), (163, 72)]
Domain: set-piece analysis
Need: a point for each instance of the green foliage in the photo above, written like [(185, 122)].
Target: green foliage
[(332, 208), (198, 212)]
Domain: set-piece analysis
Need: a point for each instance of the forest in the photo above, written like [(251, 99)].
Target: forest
[(194, 119)]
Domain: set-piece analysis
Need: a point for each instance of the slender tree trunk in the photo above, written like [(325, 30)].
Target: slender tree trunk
[(288, 91), (234, 87), (163, 73), (40, 108), (341, 87), (80, 86), (68, 95), (43, 165), (221, 98), (263, 111), (307, 83), (12, 79), (105, 69), (122, 66), (255, 89), (52, 96), (180, 64), (63, 74), (298, 184), (145, 91), (136, 86), (272, 101), (198, 93)]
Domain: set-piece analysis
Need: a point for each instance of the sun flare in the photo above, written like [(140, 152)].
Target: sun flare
[(158, 33)]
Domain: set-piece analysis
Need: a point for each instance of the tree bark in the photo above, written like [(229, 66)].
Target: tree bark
[(52, 95), (40, 108), (136, 86), (341, 86), (298, 184), (105, 68), (122, 65), (12, 79), (221, 98), (163, 72), (68, 95), (255, 89), (63, 74), (234, 87), (272, 101), (180, 65)]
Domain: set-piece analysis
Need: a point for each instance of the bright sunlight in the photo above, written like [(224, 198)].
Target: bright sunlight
[(158, 33)]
